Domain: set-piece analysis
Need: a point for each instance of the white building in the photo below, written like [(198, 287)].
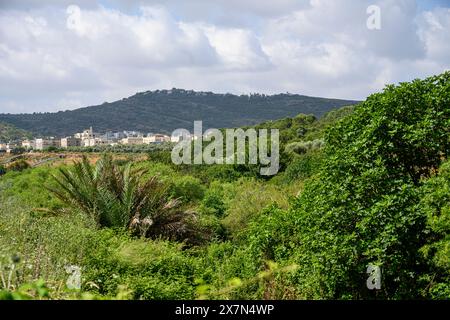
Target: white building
[(70, 142), (91, 142), (88, 138), (29, 144), (180, 136), (42, 144), (156, 138), (11, 146), (132, 140)]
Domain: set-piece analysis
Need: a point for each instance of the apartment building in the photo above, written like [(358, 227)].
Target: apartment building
[(42, 144)]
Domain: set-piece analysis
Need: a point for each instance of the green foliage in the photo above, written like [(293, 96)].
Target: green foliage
[(361, 208), (27, 291), (8, 132), (37, 246), (250, 197), (120, 198), (372, 186), (19, 165), (303, 166), (150, 269), (161, 156), (187, 188), (304, 147), (27, 187), (224, 264), (18, 150), (435, 203), (158, 149), (214, 199)]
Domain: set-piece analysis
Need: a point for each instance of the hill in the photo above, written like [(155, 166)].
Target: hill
[(166, 110), (9, 132)]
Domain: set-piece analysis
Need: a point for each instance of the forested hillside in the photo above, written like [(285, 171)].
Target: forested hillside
[(8, 132), (167, 110)]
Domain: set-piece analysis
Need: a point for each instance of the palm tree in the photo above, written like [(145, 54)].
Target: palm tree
[(120, 197)]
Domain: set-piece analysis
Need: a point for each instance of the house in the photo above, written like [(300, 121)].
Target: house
[(29, 144), (88, 137), (42, 144), (70, 142), (88, 134), (156, 138), (90, 142), (11, 146), (132, 140)]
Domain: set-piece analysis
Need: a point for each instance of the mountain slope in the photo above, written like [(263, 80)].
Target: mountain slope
[(8, 133), (166, 110)]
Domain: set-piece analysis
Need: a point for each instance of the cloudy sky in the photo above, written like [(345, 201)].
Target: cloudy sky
[(58, 55)]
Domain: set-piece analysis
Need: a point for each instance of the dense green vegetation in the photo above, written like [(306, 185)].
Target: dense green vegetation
[(368, 184), (167, 110)]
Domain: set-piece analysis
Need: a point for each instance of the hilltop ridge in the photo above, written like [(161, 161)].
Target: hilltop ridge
[(166, 110)]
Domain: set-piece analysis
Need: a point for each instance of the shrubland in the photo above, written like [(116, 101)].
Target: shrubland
[(368, 184)]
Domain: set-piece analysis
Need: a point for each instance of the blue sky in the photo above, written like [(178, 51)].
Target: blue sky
[(58, 55), (430, 4)]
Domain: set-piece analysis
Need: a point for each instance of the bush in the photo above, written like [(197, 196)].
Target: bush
[(303, 166), (304, 146), (250, 197), (362, 206), (41, 245), (435, 204), (150, 269), (27, 187), (214, 199), (19, 165), (187, 188)]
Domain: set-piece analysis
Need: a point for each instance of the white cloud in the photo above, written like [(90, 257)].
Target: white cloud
[(56, 57)]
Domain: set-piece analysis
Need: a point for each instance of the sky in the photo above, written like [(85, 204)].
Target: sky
[(59, 55)]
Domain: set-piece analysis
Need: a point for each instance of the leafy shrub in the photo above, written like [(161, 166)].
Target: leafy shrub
[(224, 264), (250, 198), (19, 165), (27, 187), (42, 245), (214, 200), (435, 203), (304, 147), (150, 269), (161, 156), (187, 188), (303, 166)]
